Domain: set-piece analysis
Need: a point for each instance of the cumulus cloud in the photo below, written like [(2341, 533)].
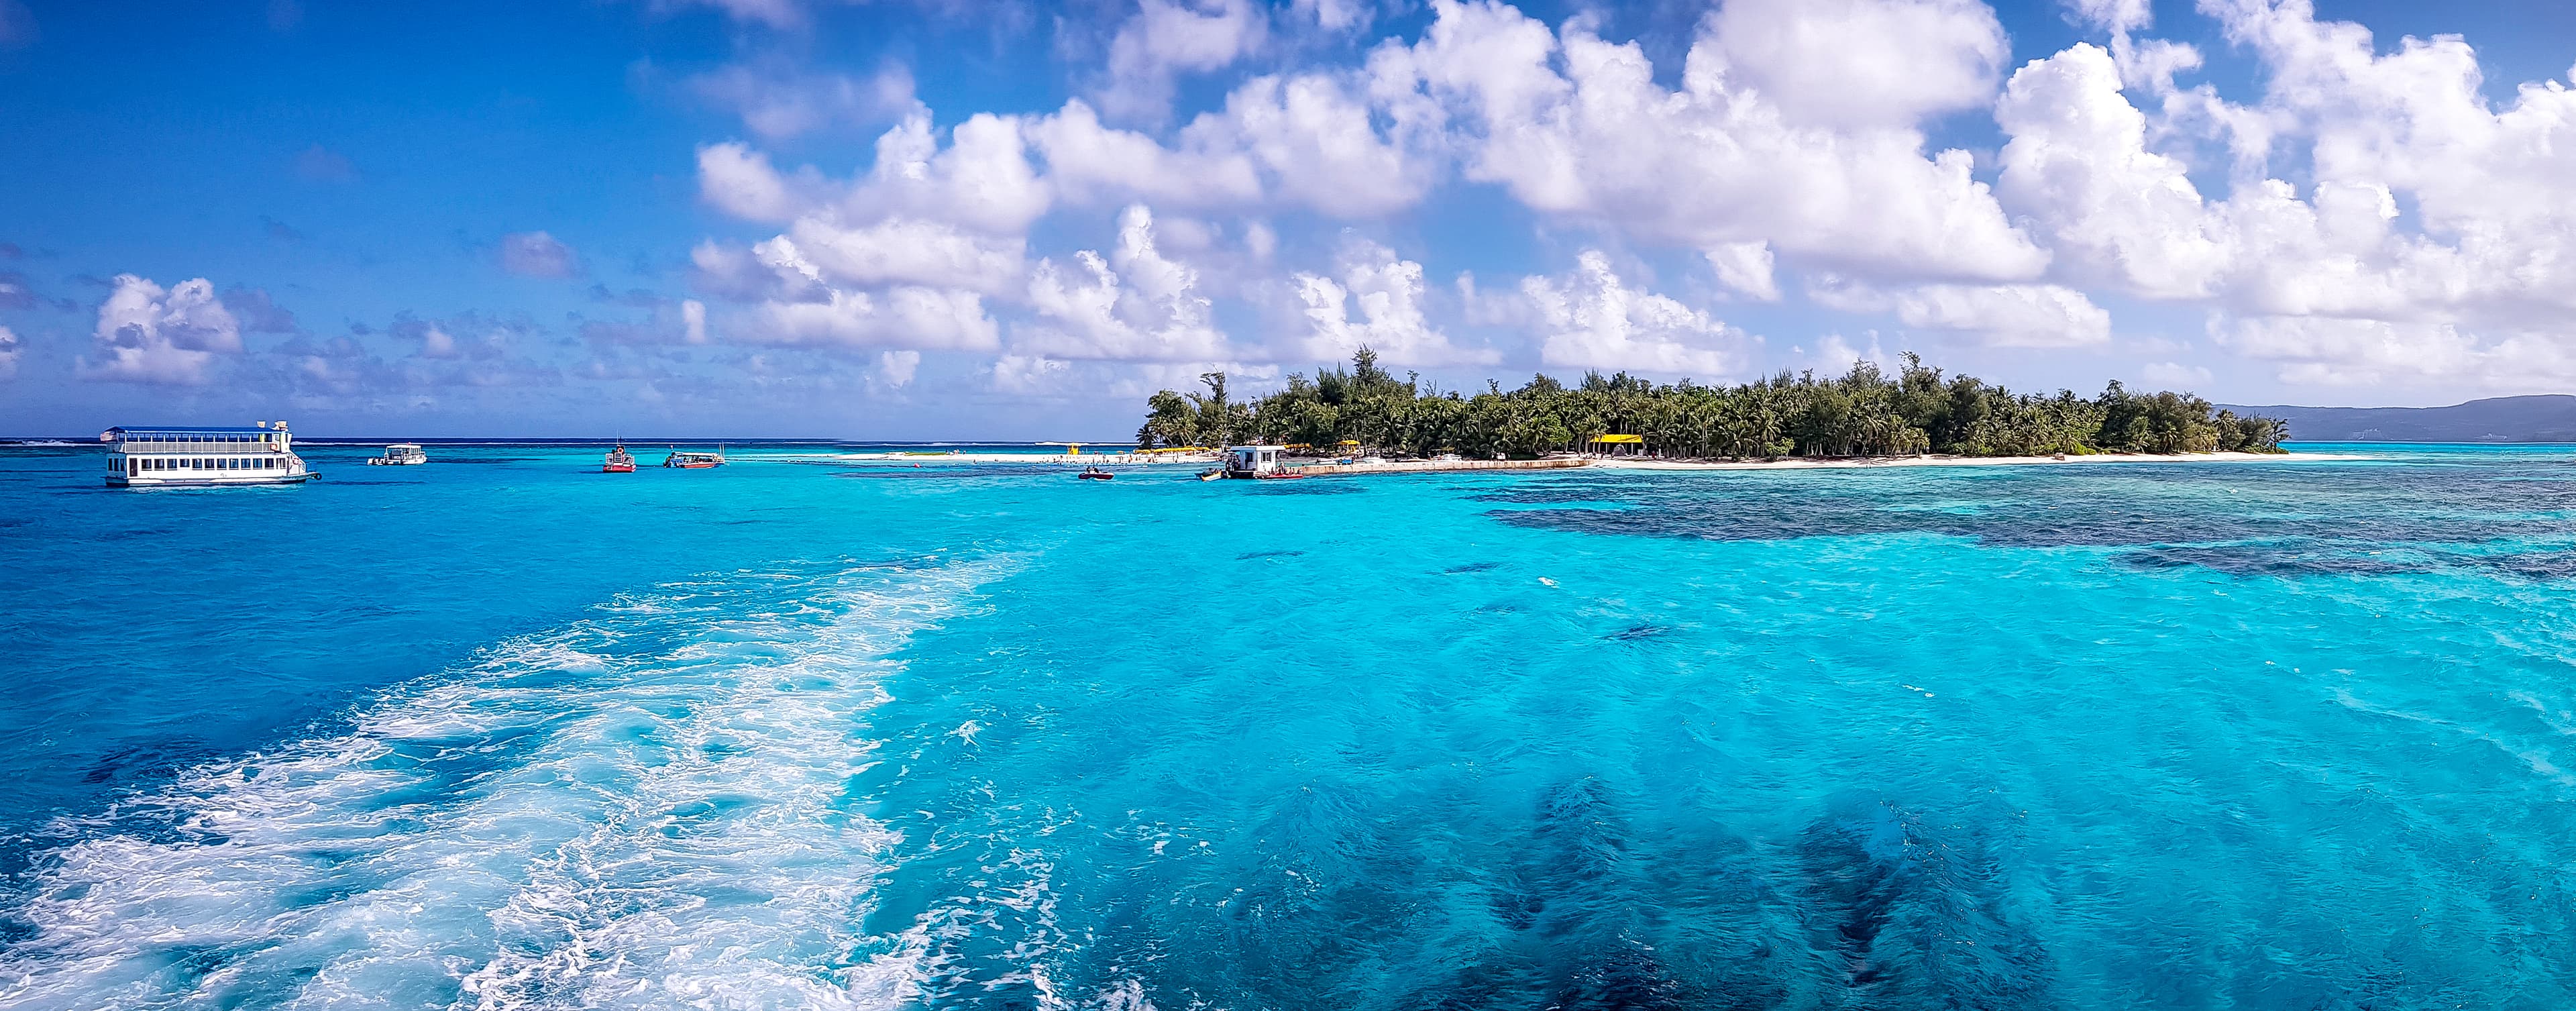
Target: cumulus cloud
[(171, 336), (1789, 148), (10, 349), (2325, 278), (2011, 315), (2175, 375), (1389, 296), (907, 250), (537, 254), (739, 181), (1862, 63), (1745, 268), (1591, 319), (2324, 351), (778, 103), (1027, 374), (1089, 162), (1165, 38), (895, 369), (1574, 125), (1133, 305), (1335, 15), (904, 315), (1318, 139)]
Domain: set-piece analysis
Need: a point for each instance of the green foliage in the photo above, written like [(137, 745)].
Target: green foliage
[(1865, 412)]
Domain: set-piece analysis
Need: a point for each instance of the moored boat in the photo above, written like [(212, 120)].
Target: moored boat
[(690, 460), (181, 456), (618, 461), (400, 454), (1094, 474)]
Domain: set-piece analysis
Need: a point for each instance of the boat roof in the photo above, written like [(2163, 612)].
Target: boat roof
[(192, 429)]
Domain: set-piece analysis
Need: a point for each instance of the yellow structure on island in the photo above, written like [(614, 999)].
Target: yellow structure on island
[(1617, 444)]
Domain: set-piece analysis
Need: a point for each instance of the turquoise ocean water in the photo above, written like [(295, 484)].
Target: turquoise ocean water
[(498, 732)]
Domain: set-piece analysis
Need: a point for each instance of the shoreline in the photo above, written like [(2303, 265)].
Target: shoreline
[(1107, 459), (1132, 459), (1643, 463)]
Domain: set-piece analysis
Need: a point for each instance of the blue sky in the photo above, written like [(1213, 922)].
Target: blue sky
[(577, 218)]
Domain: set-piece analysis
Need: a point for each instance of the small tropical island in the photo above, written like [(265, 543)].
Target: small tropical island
[(1786, 418)]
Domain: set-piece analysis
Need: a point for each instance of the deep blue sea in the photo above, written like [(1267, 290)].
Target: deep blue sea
[(503, 732)]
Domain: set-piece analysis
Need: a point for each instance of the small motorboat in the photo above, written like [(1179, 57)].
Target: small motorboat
[(619, 461), (687, 460), (1278, 475), (1212, 474), (400, 454), (1094, 474)]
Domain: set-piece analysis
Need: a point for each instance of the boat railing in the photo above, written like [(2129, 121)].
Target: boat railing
[(194, 448)]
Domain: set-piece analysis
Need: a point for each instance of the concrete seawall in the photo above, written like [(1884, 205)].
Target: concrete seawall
[(1428, 466)]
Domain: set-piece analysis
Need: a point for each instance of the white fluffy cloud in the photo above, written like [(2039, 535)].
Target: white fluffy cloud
[(2431, 232), (1316, 136), (1591, 319), (1133, 305), (1388, 293), (1167, 37), (739, 181), (2326, 279), (1574, 125), (150, 334), (800, 305), (1026, 374), (9, 352), (910, 250), (779, 103), (1745, 268), (1091, 163), (2009, 315), (1863, 63), (905, 315), (895, 369)]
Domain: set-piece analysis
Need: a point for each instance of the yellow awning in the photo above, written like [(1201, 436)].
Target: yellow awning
[(1621, 438), (1350, 442)]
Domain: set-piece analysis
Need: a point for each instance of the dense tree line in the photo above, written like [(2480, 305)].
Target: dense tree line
[(1866, 412)]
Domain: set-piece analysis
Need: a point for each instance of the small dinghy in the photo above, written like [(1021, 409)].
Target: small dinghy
[(1094, 474)]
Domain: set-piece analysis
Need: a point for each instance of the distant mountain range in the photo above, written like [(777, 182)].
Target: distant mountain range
[(2546, 418)]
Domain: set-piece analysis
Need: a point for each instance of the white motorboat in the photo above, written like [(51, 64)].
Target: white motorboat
[(400, 454)]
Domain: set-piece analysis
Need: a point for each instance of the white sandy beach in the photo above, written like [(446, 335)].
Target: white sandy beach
[(1114, 459)]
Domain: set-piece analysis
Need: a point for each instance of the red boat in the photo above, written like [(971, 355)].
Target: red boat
[(618, 462)]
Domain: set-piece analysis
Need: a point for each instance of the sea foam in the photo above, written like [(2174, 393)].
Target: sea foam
[(646, 808)]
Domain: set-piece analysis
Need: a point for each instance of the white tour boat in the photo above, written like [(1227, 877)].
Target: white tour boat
[(400, 454), (187, 456)]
